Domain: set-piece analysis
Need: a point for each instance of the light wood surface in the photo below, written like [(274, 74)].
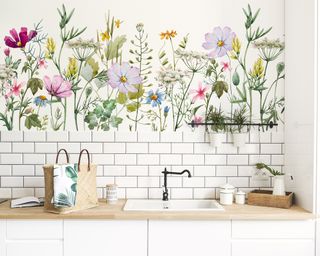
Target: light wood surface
[(105, 211)]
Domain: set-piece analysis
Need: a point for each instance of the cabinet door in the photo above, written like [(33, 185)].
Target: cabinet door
[(100, 238), (279, 247), (34, 248), (189, 238), (3, 232)]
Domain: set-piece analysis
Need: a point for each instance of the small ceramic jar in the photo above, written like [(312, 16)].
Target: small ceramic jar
[(240, 197), (112, 195), (226, 194)]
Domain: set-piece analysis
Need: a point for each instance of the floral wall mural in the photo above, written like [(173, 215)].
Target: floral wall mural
[(110, 79)]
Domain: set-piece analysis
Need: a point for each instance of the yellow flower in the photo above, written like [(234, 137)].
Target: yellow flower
[(236, 45), (168, 34), (117, 23), (258, 69), (72, 68), (51, 46), (105, 36)]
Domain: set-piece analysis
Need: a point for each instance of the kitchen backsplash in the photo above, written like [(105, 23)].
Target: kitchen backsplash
[(135, 160)]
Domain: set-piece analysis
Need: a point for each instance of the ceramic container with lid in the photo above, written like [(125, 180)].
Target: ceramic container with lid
[(226, 194), (240, 197), (112, 195)]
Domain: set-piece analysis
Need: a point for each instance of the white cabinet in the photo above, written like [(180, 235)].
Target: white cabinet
[(3, 231), (34, 248), (277, 238), (189, 238), (110, 237)]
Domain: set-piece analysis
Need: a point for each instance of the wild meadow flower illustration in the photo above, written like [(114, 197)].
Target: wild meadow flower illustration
[(112, 81)]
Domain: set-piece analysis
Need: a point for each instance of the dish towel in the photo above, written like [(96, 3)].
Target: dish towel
[(64, 185)]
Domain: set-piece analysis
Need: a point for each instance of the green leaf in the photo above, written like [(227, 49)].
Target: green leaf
[(280, 68), (122, 98), (71, 173), (219, 87), (133, 107), (35, 84), (138, 94), (115, 121), (74, 187), (114, 46), (32, 121), (236, 78)]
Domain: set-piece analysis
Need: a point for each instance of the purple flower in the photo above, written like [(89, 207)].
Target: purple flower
[(19, 40), (58, 87), (220, 41), (124, 77)]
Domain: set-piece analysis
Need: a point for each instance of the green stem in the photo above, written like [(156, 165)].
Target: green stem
[(173, 55), (138, 98), (75, 99), (160, 119), (65, 114)]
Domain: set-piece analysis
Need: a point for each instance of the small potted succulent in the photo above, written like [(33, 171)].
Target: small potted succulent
[(239, 132), (217, 133), (278, 179)]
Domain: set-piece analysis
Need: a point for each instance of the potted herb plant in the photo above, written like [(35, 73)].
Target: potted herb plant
[(217, 118), (278, 179), (239, 133)]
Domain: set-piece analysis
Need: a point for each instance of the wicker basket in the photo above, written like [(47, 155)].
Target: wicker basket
[(265, 198)]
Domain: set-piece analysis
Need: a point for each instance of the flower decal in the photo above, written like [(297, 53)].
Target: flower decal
[(155, 98), (168, 34), (19, 40), (41, 101), (219, 41), (124, 77), (58, 87), (199, 93), (14, 89)]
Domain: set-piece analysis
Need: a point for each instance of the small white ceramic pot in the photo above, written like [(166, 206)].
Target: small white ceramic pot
[(112, 193), (240, 197), (279, 186), (216, 139), (239, 139)]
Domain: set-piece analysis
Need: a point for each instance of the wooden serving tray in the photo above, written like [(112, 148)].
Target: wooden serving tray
[(265, 198)]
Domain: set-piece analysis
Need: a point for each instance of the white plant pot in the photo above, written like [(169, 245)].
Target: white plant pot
[(216, 139), (279, 186), (239, 139)]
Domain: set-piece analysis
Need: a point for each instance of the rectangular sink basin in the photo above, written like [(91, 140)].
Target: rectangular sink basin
[(172, 205)]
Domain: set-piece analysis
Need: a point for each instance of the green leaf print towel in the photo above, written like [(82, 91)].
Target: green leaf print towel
[(64, 185)]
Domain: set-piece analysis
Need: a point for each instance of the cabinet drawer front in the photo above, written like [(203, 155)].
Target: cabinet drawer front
[(283, 247), (34, 248), (273, 229), (30, 229)]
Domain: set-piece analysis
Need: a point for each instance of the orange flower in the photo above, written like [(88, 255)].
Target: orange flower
[(168, 34)]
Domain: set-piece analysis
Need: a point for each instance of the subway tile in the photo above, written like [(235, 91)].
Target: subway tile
[(126, 182), (148, 136), (5, 193), (11, 182), (183, 148), (133, 193), (103, 136), (137, 170), (180, 168), (254, 137), (277, 137), (71, 147), (157, 169), (173, 181), (277, 159), (92, 147), (253, 159), (23, 147), (34, 159), (11, 158), (166, 159), (148, 159), (249, 149), (155, 193), (204, 148), (193, 182), (161, 148), (126, 136), (57, 136), (31, 182), (189, 159), (46, 147), (271, 148), (215, 182), (148, 182), (34, 136), (80, 136), (237, 160), (125, 159), (22, 170), (215, 159), (204, 193), (103, 181), (196, 136), (5, 170), (246, 170), (5, 147), (238, 181), (265, 137), (114, 170), (227, 149), (226, 170), (22, 192), (114, 148), (11, 136), (39, 192), (121, 193), (259, 183), (204, 171), (179, 193), (171, 136), (137, 148), (103, 159)]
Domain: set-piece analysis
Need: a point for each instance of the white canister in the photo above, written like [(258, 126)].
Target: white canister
[(240, 197), (226, 197), (112, 195)]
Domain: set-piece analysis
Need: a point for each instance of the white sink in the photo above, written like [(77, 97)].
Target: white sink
[(172, 205)]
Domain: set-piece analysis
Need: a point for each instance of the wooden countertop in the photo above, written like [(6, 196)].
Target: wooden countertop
[(115, 212)]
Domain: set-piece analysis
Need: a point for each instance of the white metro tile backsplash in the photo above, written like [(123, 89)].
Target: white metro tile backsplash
[(135, 160)]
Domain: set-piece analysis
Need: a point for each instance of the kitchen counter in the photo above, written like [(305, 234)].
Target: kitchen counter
[(112, 212)]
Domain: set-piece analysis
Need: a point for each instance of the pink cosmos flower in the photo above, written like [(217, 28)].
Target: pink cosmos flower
[(42, 63), (124, 77), (197, 119), (19, 40), (200, 93), (225, 66), (14, 89), (6, 51), (58, 87), (220, 41)]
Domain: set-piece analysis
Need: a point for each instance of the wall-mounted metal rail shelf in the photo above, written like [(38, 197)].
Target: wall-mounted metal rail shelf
[(270, 125)]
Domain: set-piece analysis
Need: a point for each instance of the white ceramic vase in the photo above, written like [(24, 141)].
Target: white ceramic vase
[(239, 139), (216, 139), (279, 186)]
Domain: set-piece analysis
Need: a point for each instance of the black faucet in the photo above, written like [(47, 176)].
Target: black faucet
[(165, 195)]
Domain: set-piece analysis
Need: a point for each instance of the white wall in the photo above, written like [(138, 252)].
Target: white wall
[(300, 99)]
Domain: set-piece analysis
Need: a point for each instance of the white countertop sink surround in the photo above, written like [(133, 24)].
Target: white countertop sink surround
[(172, 205)]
